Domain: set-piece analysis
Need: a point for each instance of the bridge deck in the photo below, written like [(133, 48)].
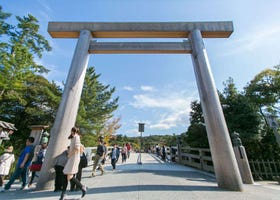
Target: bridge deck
[(153, 180)]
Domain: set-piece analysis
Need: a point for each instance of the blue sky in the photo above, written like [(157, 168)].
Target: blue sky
[(157, 89)]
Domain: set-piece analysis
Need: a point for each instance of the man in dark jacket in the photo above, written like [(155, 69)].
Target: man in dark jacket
[(99, 156)]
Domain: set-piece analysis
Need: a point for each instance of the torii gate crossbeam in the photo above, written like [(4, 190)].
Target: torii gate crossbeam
[(225, 165)]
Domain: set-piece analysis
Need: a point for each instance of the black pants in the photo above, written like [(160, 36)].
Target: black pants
[(78, 176), (32, 177), (113, 162), (60, 179)]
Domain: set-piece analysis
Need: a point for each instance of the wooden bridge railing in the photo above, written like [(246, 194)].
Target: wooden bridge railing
[(196, 157), (200, 158)]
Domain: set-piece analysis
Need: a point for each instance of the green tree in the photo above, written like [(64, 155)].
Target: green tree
[(4, 27), (196, 135), (39, 105), (21, 45), (241, 115), (26, 98), (96, 105), (264, 91)]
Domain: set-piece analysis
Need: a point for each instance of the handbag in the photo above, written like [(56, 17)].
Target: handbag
[(35, 167), (83, 161)]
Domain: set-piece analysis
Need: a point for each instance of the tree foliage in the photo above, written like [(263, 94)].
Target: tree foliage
[(242, 115), (19, 48), (26, 97), (264, 91), (196, 135), (96, 105)]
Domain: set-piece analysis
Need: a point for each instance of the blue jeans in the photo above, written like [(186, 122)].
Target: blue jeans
[(19, 172)]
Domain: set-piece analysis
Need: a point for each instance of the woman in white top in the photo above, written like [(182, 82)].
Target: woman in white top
[(6, 161), (72, 165)]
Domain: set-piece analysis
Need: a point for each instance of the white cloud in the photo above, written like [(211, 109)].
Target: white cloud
[(128, 88), (170, 102), (260, 37), (174, 106), (147, 88), (172, 120)]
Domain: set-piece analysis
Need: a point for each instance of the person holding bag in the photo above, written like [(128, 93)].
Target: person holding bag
[(83, 163), (72, 166), (40, 156), (6, 161)]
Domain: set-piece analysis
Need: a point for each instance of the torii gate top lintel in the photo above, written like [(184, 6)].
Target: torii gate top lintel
[(219, 29)]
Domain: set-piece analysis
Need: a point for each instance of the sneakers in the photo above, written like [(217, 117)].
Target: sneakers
[(93, 175), (24, 188)]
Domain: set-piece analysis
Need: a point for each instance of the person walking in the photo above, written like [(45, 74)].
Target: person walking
[(73, 161), (6, 160), (73, 186), (128, 146), (23, 164), (99, 156), (105, 153), (60, 183), (163, 153), (124, 153), (40, 156), (114, 156)]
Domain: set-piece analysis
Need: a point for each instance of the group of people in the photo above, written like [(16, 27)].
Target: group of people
[(71, 167), (68, 165), (27, 161), (22, 166), (161, 151), (102, 152)]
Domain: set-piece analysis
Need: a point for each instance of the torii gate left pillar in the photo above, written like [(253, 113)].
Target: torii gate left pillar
[(225, 165), (67, 111)]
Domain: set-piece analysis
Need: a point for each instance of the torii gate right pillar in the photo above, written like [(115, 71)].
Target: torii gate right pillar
[(225, 165)]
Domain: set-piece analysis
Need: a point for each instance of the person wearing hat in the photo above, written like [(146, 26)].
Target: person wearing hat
[(39, 159), (6, 161)]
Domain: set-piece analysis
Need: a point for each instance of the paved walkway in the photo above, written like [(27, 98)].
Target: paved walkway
[(153, 180)]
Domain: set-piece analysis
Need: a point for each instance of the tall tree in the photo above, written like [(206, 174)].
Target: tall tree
[(96, 105), (38, 105), (18, 51), (26, 98), (241, 115), (264, 92)]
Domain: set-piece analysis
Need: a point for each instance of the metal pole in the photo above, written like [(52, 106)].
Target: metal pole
[(140, 159)]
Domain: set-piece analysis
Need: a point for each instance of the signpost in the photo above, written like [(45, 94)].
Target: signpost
[(141, 130)]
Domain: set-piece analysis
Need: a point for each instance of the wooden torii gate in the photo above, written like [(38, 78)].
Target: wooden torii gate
[(225, 165)]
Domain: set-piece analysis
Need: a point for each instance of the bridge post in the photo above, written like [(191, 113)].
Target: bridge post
[(225, 165), (68, 109)]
